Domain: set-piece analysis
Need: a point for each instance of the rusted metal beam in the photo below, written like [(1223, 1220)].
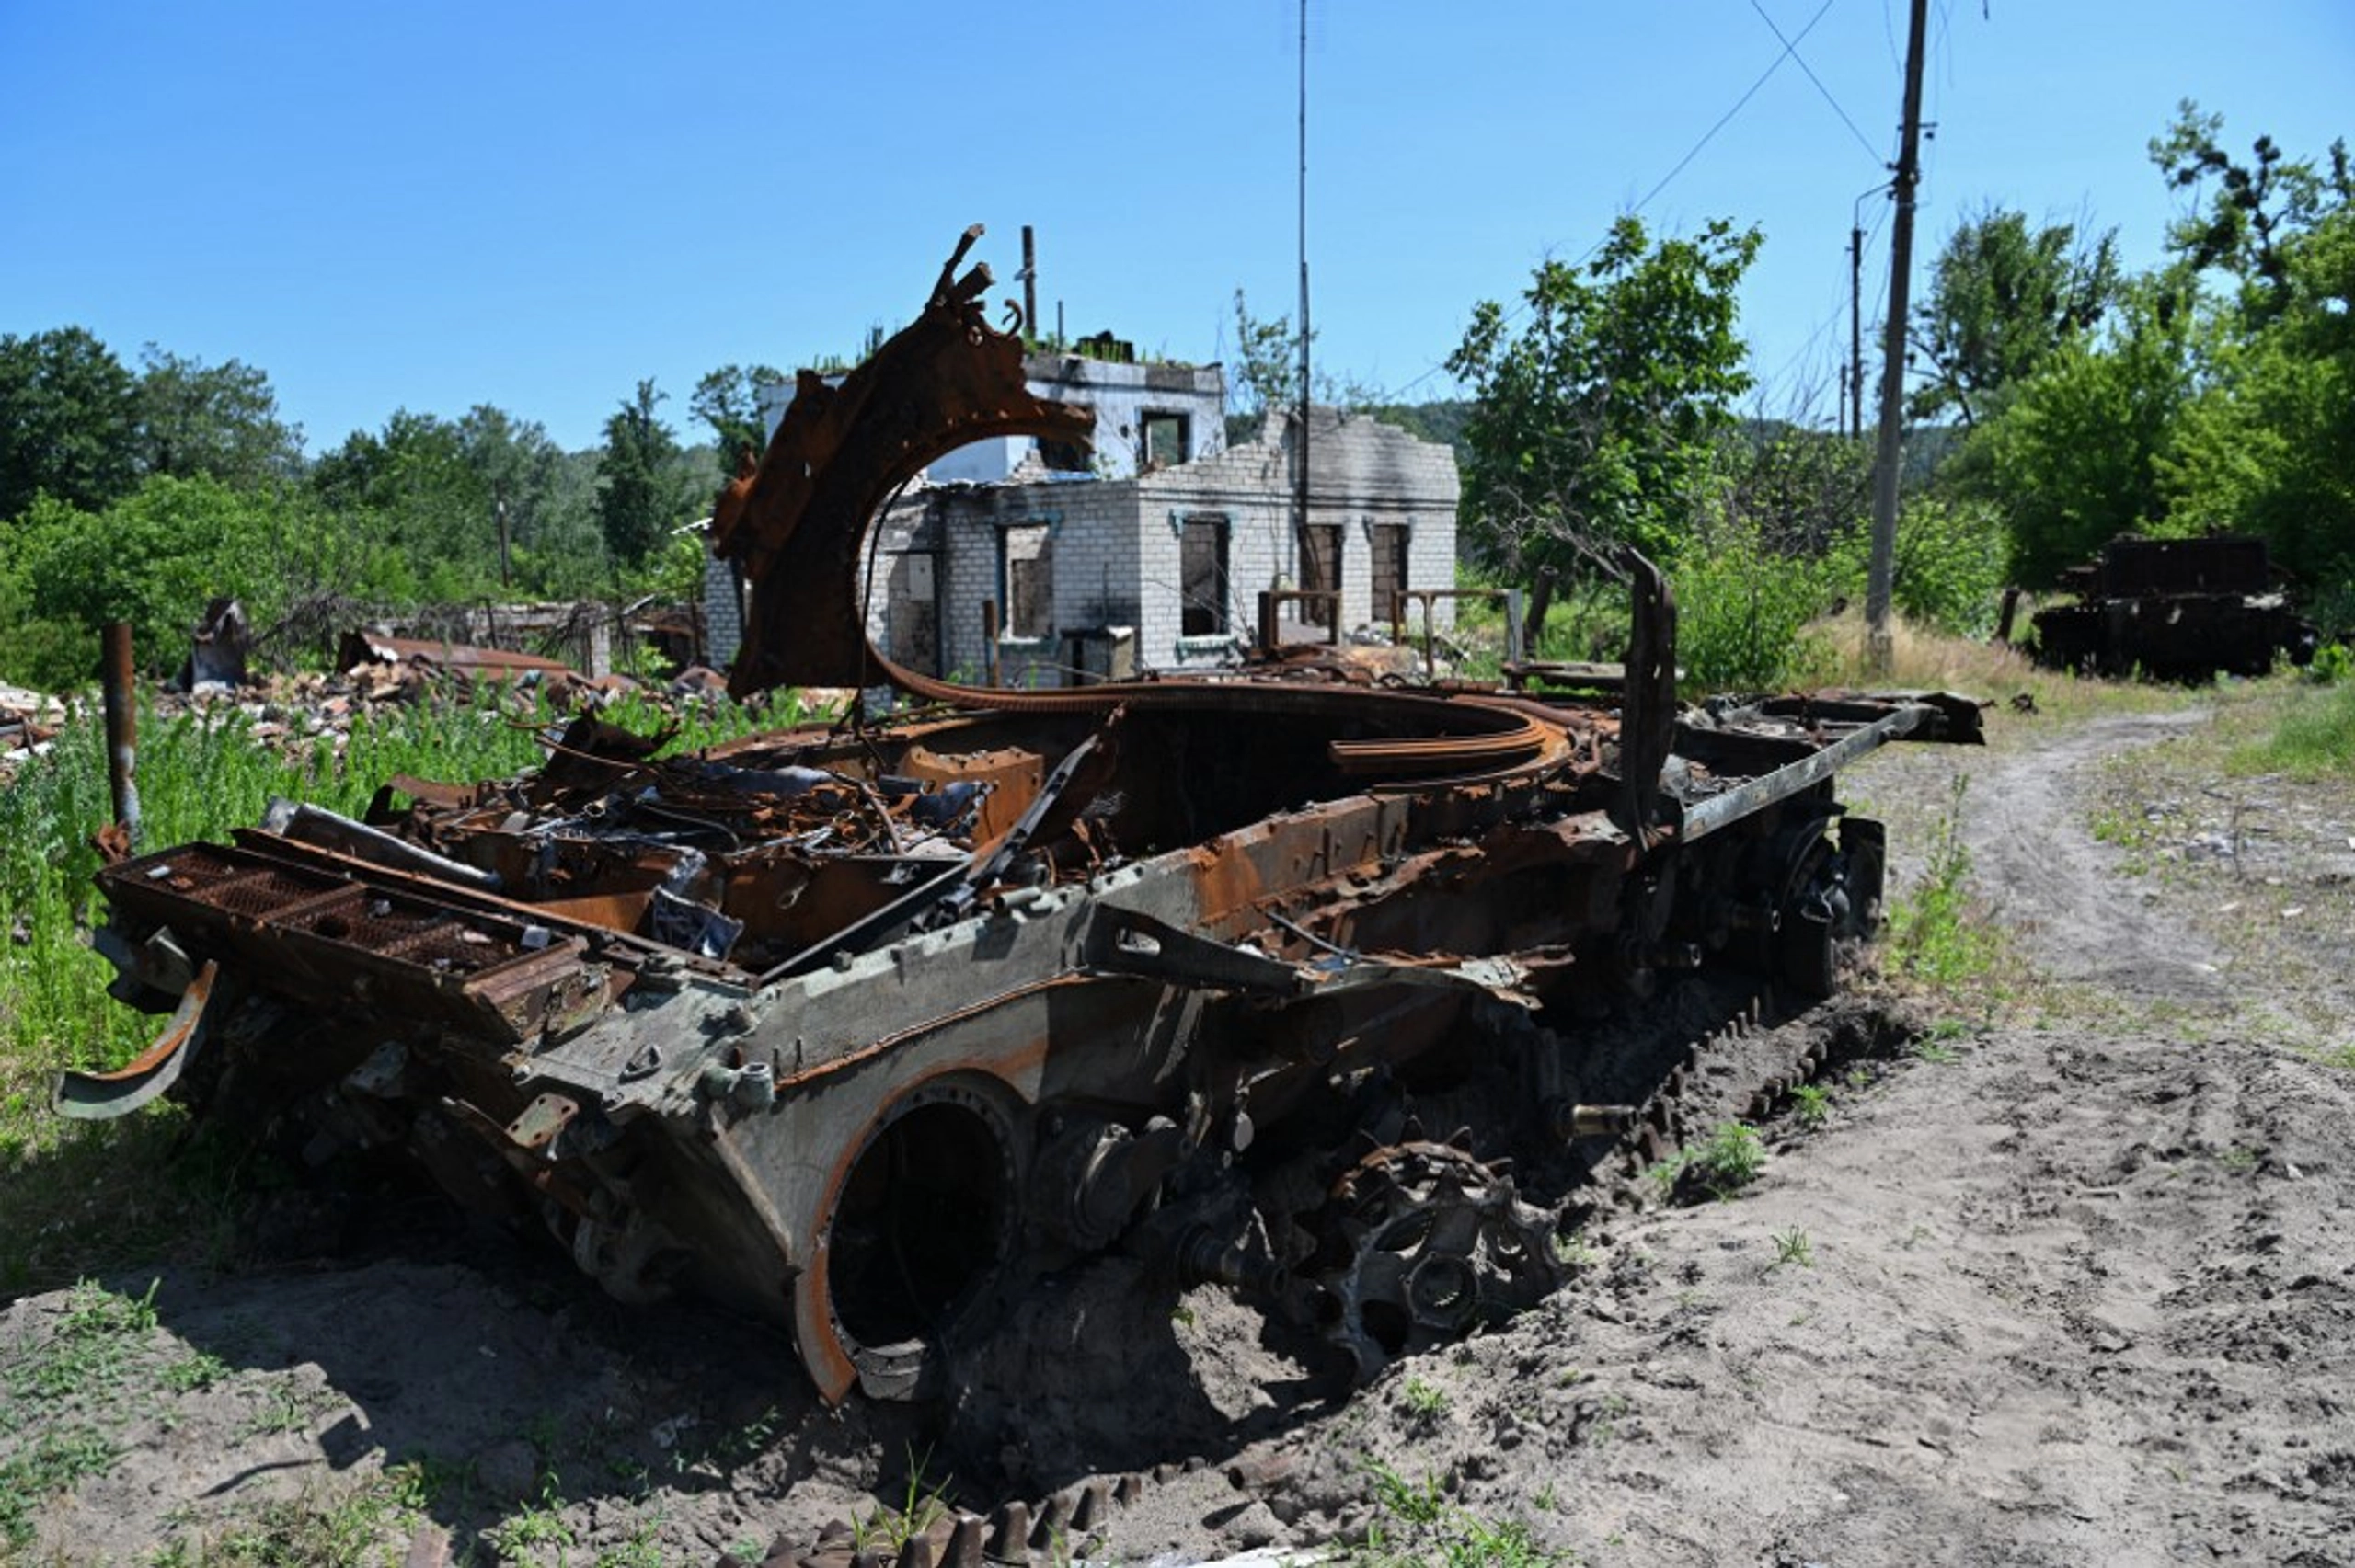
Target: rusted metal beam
[(372, 647), (1755, 794)]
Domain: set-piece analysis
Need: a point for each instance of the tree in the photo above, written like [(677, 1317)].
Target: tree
[(411, 488), (638, 480), (69, 422), (1594, 424), (2002, 300), (518, 470), (2247, 224), (1795, 490), (1267, 375), (432, 489), (2269, 445), (2076, 457), (1267, 363), (213, 420), (728, 400)]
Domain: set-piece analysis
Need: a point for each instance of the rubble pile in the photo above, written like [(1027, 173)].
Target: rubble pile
[(295, 713), (28, 725)]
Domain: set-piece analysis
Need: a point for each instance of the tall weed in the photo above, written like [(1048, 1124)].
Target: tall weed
[(1934, 934), (1742, 614)]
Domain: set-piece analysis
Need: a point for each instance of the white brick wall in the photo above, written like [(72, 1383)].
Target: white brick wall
[(723, 627)]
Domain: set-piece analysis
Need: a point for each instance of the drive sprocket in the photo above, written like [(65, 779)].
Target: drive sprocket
[(1424, 1243)]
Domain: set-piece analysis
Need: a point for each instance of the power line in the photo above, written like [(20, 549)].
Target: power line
[(1790, 51), (1790, 47), (1839, 309)]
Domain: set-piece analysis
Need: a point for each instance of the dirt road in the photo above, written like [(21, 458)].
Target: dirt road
[(2070, 1294)]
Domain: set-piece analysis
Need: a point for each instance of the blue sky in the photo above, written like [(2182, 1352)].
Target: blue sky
[(432, 205)]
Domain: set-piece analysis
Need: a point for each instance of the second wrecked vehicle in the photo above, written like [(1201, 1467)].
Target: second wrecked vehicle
[(2174, 610), (863, 1028)]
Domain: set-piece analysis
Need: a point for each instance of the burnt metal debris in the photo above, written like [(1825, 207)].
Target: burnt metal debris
[(867, 1028), (2174, 610)]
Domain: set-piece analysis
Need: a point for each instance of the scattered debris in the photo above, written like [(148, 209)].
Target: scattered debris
[(30, 723)]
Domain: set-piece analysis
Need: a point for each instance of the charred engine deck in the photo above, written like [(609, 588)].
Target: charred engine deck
[(862, 1030)]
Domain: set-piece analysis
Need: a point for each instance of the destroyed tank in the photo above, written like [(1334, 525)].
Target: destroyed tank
[(2174, 610), (864, 1029)]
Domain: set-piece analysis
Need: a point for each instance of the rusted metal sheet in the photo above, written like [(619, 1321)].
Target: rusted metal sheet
[(97, 1096), (866, 1031), (947, 380), (362, 647)]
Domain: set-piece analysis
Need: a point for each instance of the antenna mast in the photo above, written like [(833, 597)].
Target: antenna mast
[(1300, 478)]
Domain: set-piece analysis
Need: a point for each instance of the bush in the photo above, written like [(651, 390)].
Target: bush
[(152, 559), (1742, 612)]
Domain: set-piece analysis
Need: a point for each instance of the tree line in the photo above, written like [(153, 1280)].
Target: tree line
[(138, 494), (2056, 401)]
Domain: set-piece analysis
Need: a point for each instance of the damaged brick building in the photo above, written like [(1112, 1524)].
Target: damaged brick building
[(1024, 566)]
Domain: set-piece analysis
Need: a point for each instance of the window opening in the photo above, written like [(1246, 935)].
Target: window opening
[(1203, 579)]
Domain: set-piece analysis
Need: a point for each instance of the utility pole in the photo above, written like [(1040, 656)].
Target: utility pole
[(1890, 452), (499, 492), (1855, 331)]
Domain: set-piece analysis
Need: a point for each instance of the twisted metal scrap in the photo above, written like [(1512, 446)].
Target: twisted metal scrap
[(943, 382)]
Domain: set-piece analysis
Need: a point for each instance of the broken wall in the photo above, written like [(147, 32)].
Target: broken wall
[(1065, 557)]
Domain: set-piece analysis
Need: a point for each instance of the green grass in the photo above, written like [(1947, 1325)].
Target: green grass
[(923, 1504), (1422, 1400), (90, 1352), (64, 1397), (1420, 1502), (533, 1524), (326, 1526), (2313, 738), (51, 1464), (1935, 933)]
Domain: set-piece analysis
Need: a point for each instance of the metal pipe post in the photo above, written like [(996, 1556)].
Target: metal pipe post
[(122, 727)]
